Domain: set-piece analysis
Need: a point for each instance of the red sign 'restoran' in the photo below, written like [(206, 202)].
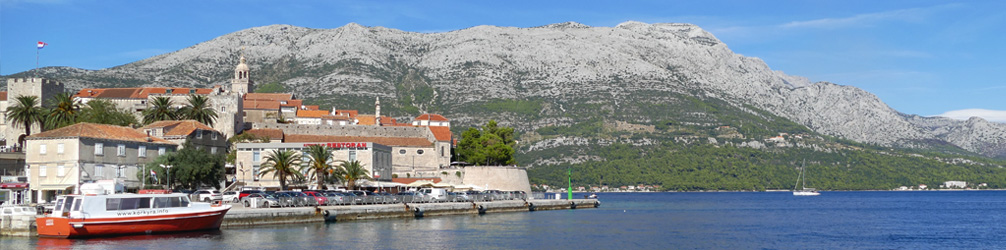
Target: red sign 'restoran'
[(340, 144)]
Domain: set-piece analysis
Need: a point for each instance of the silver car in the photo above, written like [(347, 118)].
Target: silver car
[(262, 200)]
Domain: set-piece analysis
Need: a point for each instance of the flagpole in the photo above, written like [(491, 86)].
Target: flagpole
[(36, 62)]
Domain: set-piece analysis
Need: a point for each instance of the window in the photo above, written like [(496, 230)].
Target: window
[(60, 171), (352, 155), (213, 150), (419, 151), (122, 149), (161, 150), (256, 156), (99, 148), (199, 134), (41, 171), (98, 170), (59, 148), (255, 171), (141, 151), (118, 171), (213, 135), (401, 152), (41, 149), (442, 152)]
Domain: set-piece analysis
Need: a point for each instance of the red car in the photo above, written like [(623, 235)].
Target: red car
[(322, 200), (244, 193)]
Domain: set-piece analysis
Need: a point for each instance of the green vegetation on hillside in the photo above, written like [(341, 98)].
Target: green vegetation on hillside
[(711, 167), (273, 87)]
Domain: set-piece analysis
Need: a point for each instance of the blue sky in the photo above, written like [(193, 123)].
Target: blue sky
[(920, 57)]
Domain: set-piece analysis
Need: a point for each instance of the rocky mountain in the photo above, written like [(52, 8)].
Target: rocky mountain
[(554, 75)]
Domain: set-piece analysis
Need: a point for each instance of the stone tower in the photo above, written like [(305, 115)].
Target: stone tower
[(377, 112), (241, 83), (42, 88)]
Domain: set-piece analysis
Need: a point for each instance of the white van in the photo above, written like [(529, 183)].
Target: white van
[(435, 194)]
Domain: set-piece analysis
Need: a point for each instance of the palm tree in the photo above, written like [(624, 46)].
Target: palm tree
[(321, 162), (160, 110), (283, 164), (198, 109), (64, 112), (25, 112), (352, 171)]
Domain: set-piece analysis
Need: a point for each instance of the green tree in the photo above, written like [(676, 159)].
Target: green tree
[(492, 145), (160, 110), (105, 112), (282, 164), (198, 109), (65, 111), (24, 112), (352, 171), (192, 168), (321, 163)]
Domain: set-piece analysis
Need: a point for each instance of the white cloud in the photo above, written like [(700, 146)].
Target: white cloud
[(908, 15), (964, 114)]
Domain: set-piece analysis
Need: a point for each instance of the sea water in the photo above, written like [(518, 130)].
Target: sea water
[(726, 220)]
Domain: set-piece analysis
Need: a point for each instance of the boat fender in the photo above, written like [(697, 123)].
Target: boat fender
[(597, 204), (572, 205), (482, 209), (418, 212), (530, 207)]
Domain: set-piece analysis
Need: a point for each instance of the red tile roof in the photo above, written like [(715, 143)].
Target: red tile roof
[(388, 141), (137, 93), (441, 133), (99, 131), (292, 103), (178, 128), (311, 113), (271, 133), (261, 105), (351, 113), (268, 96), (366, 120), (432, 117)]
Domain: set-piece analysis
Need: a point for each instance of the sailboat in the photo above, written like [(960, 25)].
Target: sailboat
[(805, 191)]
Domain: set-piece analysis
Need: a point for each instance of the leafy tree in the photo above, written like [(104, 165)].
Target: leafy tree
[(160, 110), (24, 112), (321, 163), (352, 171), (65, 111), (282, 164), (192, 167), (198, 109), (105, 112), (493, 145)]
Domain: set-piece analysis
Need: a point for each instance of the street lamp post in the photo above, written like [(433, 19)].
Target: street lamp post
[(167, 169)]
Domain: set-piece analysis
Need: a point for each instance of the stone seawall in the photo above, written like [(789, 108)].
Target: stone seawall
[(243, 217), (248, 217)]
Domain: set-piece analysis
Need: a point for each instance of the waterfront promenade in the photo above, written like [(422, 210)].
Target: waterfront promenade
[(240, 216)]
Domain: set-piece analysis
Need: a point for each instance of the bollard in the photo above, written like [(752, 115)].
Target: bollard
[(530, 207), (572, 205), (418, 212), (482, 209)]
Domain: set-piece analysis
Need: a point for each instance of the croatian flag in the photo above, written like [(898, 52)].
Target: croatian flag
[(41, 44), (153, 174)]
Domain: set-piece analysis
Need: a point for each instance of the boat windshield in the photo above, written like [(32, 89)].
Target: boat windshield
[(59, 204)]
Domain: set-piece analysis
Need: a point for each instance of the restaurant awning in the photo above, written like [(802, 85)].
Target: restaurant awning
[(13, 185), (54, 186)]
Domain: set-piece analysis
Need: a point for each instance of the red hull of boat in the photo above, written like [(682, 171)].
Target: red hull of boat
[(83, 228)]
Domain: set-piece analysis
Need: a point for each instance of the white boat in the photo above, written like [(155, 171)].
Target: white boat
[(804, 191), (77, 216)]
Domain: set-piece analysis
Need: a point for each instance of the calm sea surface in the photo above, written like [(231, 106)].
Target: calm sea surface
[(834, 220)]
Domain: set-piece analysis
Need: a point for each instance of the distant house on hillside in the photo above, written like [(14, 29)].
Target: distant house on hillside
[(955, 184)]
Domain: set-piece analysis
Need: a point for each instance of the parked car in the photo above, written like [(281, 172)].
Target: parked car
[(285, 199), (435, 194), (231, 196), (263, 200), (207, 195), (320, 198), (333, 198), (301, 199), (244, 193), (411, 197)]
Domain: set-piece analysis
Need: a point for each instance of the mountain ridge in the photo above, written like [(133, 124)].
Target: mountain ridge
[(556, 64)]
